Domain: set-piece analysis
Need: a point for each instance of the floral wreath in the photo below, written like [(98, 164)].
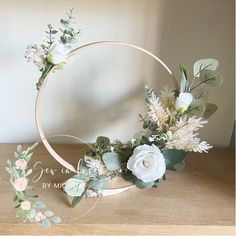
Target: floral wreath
[(170, 131)]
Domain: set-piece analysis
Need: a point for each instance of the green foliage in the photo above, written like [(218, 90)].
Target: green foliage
[(56, 219), (210, 77), (128, 176), (39, 205), (102, 141), (184, 84), (69, 34), (100, 183), (202, 64), (197, 108), (210, 110), (74, 187), (143, 185), (76, 200), (111, 161), (46, 223), (174, 158)]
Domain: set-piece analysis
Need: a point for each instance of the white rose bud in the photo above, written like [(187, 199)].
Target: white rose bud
[(183, 101), (147, 163), (57, 53)]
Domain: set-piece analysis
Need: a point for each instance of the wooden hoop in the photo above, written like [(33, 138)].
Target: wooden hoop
[(74, 52)]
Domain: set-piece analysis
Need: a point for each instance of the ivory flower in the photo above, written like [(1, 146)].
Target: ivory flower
[(147, 163), (20, 184), (57, 53), (183, 101), (21, 164), (26, 205)]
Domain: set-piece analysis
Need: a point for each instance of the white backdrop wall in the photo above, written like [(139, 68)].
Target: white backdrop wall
[(101, 92)]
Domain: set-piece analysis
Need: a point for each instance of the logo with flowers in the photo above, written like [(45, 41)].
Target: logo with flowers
[(170, 130)]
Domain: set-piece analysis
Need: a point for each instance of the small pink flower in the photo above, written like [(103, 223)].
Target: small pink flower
[(26, 205), (39, 216), (20, 184), (21, 164)]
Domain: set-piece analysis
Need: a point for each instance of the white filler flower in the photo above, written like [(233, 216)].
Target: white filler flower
[(57, 53), (147, 163), (183, 101)]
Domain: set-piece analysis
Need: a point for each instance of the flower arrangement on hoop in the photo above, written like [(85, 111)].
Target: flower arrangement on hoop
[(170, 126)]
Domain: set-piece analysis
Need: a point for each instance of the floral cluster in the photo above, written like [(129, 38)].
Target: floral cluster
[(28, 208), (170, 130), (53, 52)]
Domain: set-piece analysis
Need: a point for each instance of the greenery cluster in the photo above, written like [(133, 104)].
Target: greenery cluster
[(27, 195)]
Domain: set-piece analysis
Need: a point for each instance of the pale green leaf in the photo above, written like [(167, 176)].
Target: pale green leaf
[(39, 205), (49, 213), (46, 223), (202, 64), (210, 77), (19, 149), (56, 219), (100, 183), (143, 185), (196, 108), (210, 110), (111, 161), (74, 187)]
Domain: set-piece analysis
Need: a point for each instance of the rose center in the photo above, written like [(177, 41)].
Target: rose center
[(146, 164)]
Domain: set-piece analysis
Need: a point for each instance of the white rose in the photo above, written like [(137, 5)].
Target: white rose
[(147, 163), (183, 101), (57, 53)]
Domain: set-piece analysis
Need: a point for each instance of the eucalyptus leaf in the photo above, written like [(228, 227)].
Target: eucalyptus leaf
[(46, 223), (184, 79), (172, 157), (128, 176), (111, 161), (201, 93), (100, 183), (49, 213), (74, 187), (28, 157), (196, 108), (19, 149), (29, 172), (76, 200), (56, 219), (103, 141), (210, 77), (32, 213), (16, 155), (179, 166), (210, 110), (142, 185), (202, 64), (39, 205)]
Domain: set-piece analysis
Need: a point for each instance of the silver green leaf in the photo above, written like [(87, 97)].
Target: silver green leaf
[(49, 213), (210, 110), (46, 223), (202, 64), (111, 161), (197, 108), (74, 187), (210, 77), (100, 183), (56, 219), (39, 205), (143, 185), (201, 93)]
